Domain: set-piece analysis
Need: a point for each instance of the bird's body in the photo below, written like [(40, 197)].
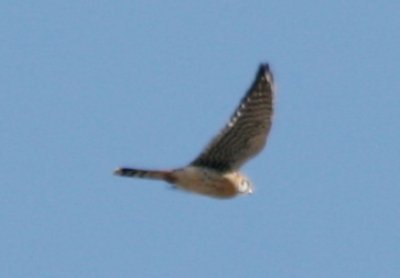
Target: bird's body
[(215, 172), (197, 179)]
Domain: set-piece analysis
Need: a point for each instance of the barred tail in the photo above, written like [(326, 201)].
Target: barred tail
[(146, 174)]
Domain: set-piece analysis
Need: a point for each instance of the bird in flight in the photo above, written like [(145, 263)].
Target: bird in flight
[(216, 171)]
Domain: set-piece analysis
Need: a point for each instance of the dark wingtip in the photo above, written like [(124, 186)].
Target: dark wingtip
[(264, 67), (265, 71)]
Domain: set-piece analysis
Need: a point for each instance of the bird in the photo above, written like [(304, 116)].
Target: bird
[(216, 171)]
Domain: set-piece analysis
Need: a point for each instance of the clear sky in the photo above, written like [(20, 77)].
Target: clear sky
[(89, 86)]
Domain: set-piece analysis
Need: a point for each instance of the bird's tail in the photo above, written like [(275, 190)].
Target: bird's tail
[(145, 174)]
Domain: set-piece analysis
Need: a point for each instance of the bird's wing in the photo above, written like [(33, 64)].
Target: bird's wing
[(246, 133)]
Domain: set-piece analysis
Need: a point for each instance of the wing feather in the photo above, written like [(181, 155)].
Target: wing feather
[(246, 133)]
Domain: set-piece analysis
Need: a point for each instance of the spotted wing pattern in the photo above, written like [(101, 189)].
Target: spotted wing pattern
[(246, 133)]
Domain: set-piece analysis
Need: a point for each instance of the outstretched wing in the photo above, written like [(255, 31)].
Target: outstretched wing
[(246, 133)]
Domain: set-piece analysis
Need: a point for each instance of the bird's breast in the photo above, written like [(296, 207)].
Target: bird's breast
[(204, 181)]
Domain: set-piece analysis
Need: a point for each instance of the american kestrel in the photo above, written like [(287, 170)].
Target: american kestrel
[(215, 172)]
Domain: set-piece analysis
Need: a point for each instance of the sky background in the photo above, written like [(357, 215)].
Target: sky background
[(89, 86)]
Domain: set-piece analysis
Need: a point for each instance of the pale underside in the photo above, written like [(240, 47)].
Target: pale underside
[(208, 182)]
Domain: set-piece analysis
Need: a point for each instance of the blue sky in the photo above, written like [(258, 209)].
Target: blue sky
[(87, 87)]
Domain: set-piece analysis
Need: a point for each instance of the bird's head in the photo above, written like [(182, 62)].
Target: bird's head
[(244, 185)]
